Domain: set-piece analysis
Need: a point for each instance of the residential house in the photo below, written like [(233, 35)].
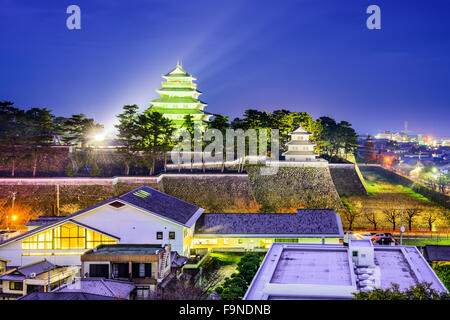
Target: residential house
[(34, 277), (147, 266), (108, 288), (141, 216), (3, 263), (437, 254)]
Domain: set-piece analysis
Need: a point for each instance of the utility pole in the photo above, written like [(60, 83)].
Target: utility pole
[(13, 199), (57, 200), (401, 227), (48, 280)]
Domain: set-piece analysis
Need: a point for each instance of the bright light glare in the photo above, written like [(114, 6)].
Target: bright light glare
[(99, 137)]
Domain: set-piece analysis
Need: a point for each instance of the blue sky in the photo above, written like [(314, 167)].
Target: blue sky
[(312, 55)]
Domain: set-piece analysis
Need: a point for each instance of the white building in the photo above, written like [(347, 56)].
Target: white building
[(141, 216), (300, 148), (309, 271)]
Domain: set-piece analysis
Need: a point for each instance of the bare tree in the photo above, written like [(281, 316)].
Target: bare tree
[(411, 214), (181, 289), (353, 212), (430, 217), (371, 216), (391, 215)]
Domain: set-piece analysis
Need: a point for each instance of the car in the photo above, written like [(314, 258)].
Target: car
[(377, 236), (390, 241), (367, 236)]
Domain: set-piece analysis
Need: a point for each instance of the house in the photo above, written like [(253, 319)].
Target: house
[(34, 277), (107, 288), (65, 296), (147, 266), (437, 254), (141, 216), (3, 263), (250, 231), (332, 271)]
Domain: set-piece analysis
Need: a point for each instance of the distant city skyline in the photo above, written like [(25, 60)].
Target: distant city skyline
[(312, 56)]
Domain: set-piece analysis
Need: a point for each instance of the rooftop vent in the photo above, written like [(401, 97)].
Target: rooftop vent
[(142, 194), (116, 204)]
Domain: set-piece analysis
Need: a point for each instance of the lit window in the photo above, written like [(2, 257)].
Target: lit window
[(171, 235), (159, 235), (67, 236), (15, 285)]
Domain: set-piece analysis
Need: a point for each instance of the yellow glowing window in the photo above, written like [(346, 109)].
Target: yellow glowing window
[(67, 236), (205, 241)]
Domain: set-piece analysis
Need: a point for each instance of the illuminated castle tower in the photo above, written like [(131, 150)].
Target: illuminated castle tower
[(179, 97), (300, 148)]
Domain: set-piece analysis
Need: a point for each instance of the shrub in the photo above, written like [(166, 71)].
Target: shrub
[(443, 272), (235, 286), (422, 291)]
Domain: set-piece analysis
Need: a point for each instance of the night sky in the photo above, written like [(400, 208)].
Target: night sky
[(315, 56)]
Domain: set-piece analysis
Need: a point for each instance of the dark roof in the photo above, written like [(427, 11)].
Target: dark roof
[(177, 261), (128, 249), (43, 221), (25, 271), (311, 222), (437, 252), (99, 286), (65, 296), (162, 204)]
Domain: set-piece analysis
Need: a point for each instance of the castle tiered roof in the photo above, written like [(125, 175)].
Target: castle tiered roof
[(179, 97)]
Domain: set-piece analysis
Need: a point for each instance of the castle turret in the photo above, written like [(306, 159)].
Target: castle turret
[(300, 148)]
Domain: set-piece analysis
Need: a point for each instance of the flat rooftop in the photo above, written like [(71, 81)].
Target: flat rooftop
[(303, 266), (126, 249), (312, 271)]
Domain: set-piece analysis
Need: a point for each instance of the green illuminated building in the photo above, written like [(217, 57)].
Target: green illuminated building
[(179, 97)]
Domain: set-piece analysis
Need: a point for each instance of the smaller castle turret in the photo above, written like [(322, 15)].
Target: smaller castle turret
[(300, 148)]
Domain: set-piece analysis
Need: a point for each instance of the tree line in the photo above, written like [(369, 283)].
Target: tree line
[(26, 135), (144, 137)]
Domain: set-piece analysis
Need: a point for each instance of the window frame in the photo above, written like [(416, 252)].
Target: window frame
[(13, 287), (159, 235)]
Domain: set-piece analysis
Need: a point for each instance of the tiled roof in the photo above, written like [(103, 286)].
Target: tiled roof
[(25, 271), (308, 222), (437, 253), (64, 296), (99, 286), (162, 205), (43, 221)]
